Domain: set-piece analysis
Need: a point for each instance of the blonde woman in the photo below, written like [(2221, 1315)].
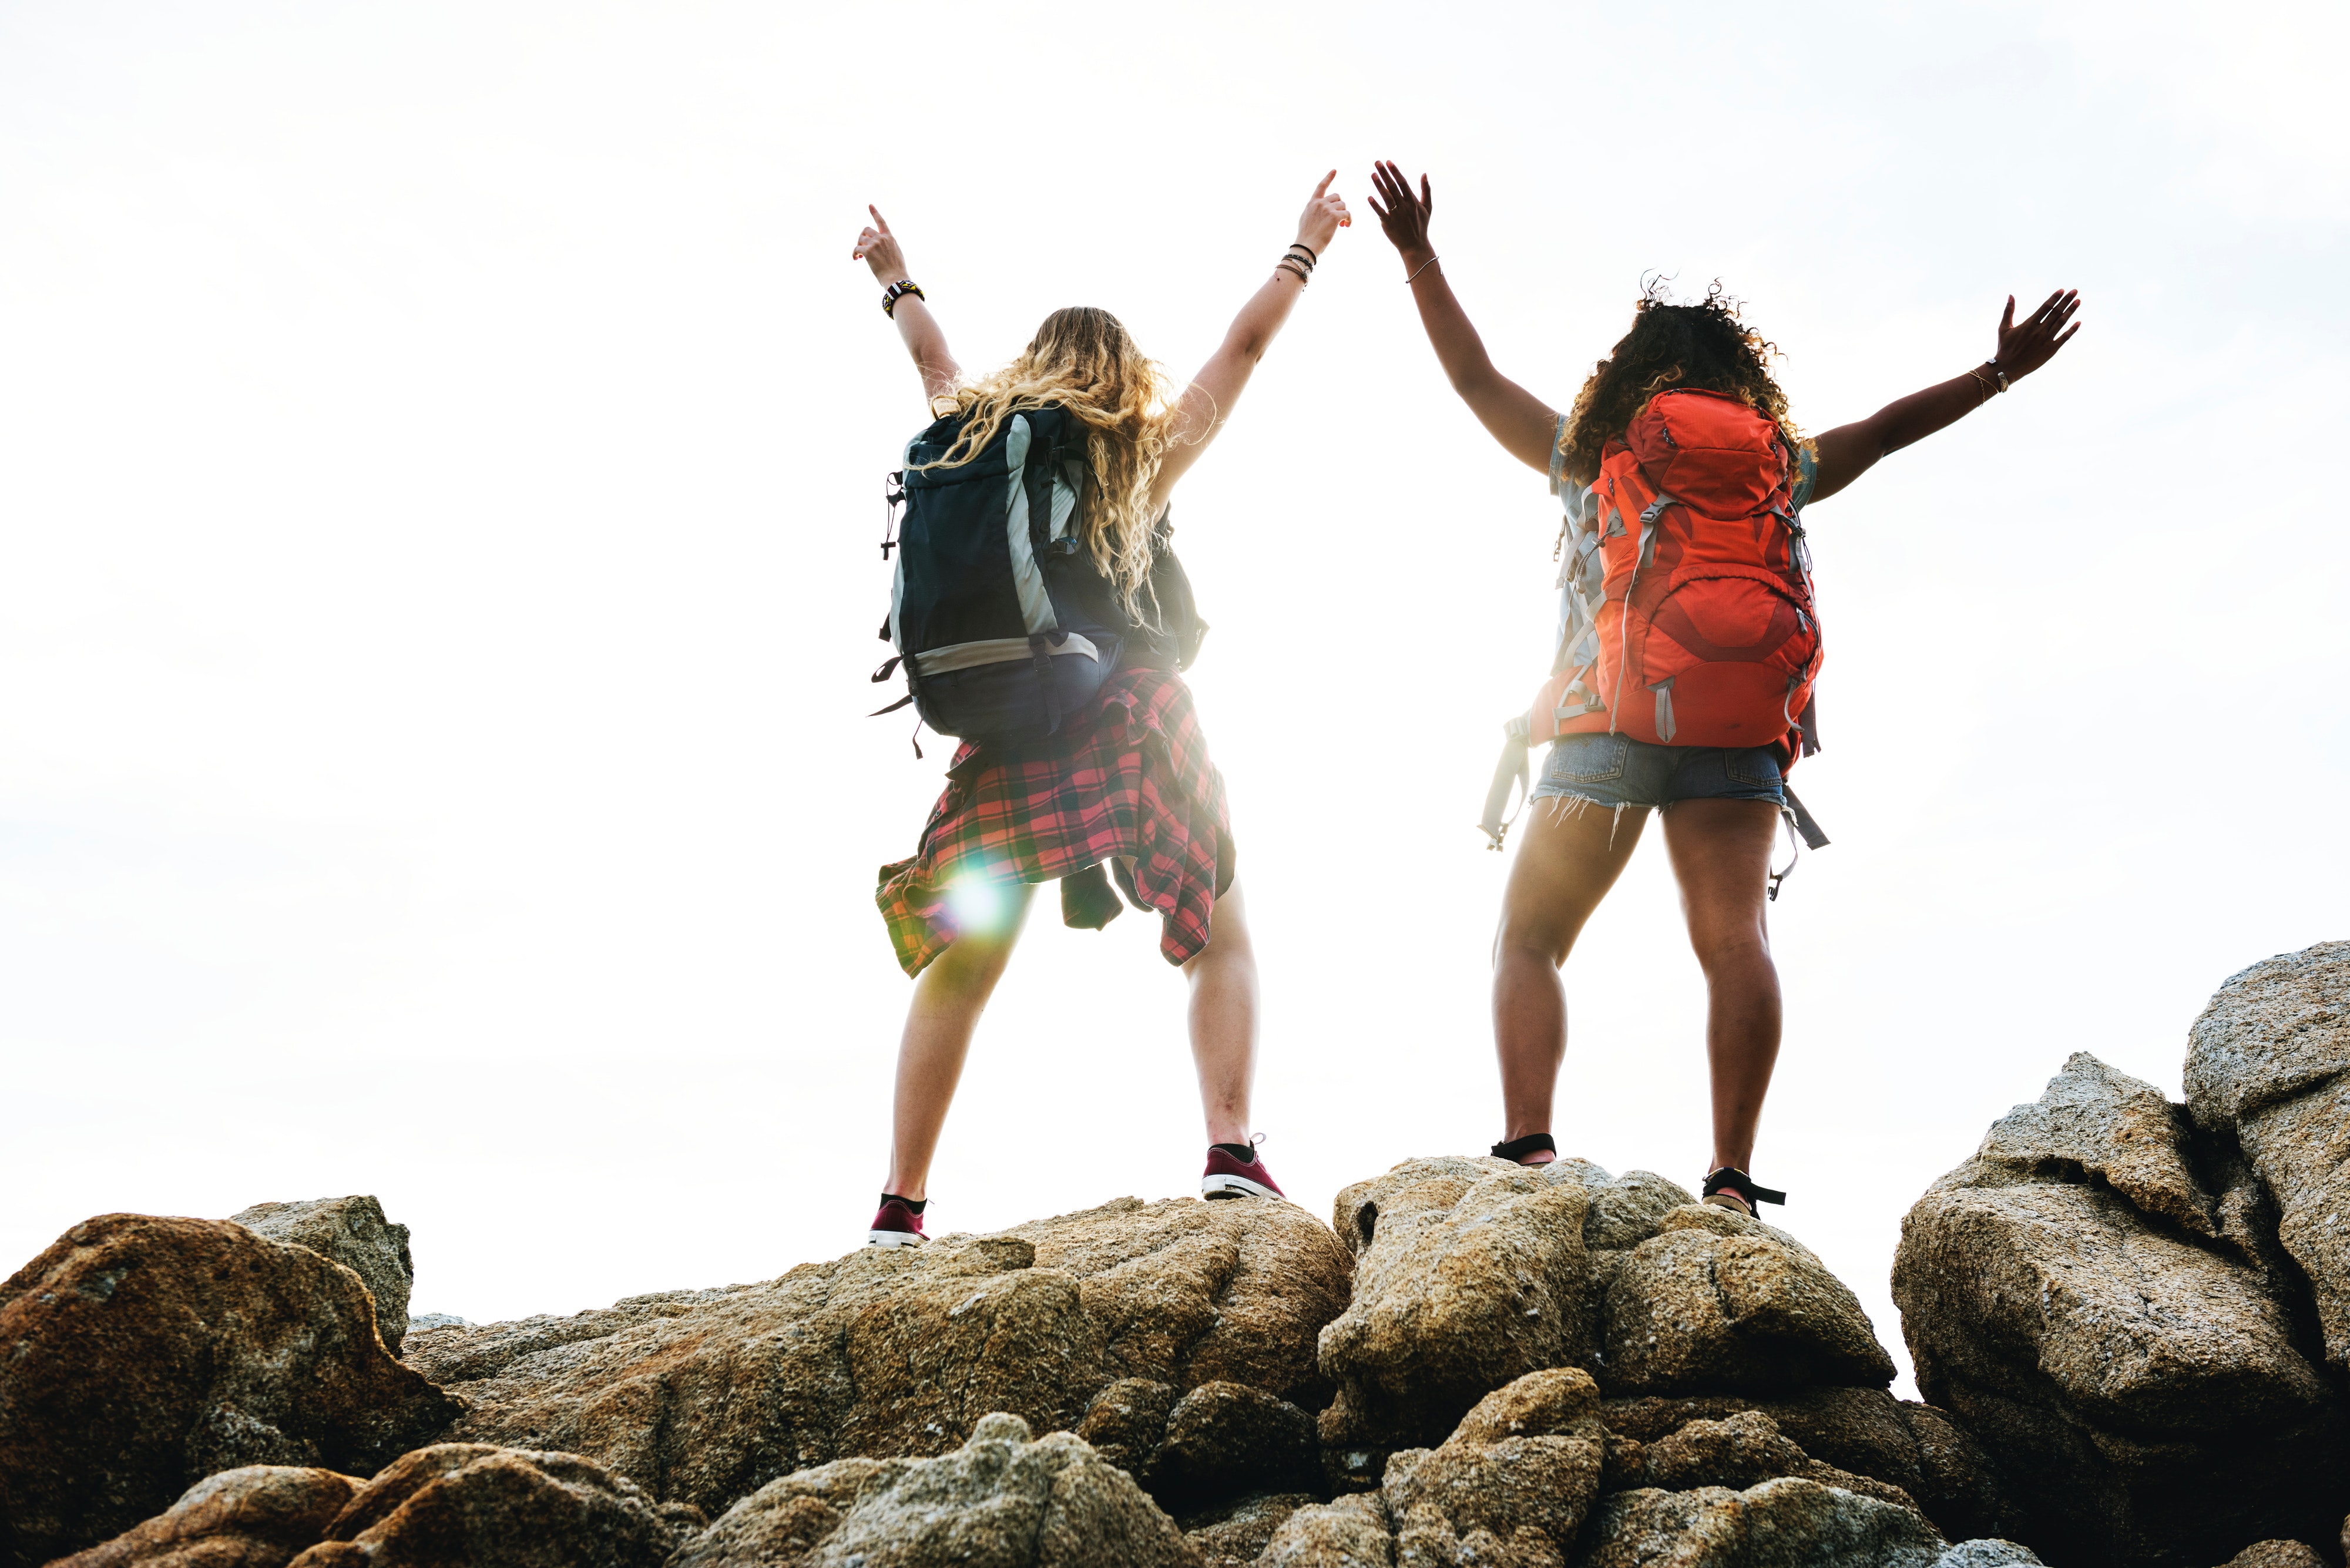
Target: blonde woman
[(1124, 780)]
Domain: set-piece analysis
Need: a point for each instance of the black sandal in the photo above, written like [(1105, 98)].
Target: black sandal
[(1739, 1185), (1517, 1148)]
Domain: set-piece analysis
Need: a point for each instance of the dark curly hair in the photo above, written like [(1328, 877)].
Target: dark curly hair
[(1701, 345)]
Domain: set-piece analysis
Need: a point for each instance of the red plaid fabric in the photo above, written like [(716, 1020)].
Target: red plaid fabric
[(1127, 775)]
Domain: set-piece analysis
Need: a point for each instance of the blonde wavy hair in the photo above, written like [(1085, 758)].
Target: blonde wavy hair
[(1082, 359)]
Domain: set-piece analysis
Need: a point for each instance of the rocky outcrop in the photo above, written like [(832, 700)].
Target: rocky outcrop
[(1532, 1478), (2091, 1296), (353, 1232), (1003, 1499), (2268, 1066), (257, 1516), (1781, 1523), (704, 1397), (144, 1354), (1471, 1272), (464, 1505)]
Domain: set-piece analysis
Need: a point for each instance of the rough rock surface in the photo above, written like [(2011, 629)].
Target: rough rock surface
[(459, 1505), (2276, 1554), (353, 1232), (144, 1354), (2072, 1294), (704, 1397), (1235, 1534), (2268, 1062), (1865, 1431), (1783, 1523), (1003, 1500), (1471, 1272), (1533, 1478), (257, 1516)]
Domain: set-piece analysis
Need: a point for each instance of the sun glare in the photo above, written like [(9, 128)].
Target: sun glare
[(978, 903)]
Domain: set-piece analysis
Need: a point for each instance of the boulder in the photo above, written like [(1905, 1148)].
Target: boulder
[(1717, 1300), (1741, 1451), (2276, 1554), (145, 1354), (1783, 1523), (1235, 1534), (353, 1232), (256, 1516), (460, 1505), (2150, 1399), (1225, 1440), (1472, 1271), (704, 1397), (1514, 1482), (1349, 1533), (2269, 1062), (1864, 1431), (1003, 1500)]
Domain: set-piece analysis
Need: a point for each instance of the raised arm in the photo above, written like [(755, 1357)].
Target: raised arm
[(1207, 403), (1847, 451), (1521, 422), (877, 248)]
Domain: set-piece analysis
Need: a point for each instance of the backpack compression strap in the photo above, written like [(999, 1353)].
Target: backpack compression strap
[(1512, 769)]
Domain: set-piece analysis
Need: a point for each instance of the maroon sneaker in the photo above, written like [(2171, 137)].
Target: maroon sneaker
[(897, 1224), (1229, 1175)]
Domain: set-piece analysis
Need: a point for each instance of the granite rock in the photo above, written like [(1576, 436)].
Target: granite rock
[(256, 1516), (1235, 1534), (704, 1397), (145, 1354), (2277, 1555), (1783, 1523), (2151, 1398), (462, 1505), (1002, 1500), (1717, 1300), (1865, 1431), (2269, 1061), (353, 1232)]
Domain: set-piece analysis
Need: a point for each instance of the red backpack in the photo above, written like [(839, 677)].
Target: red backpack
[(1703, 631)]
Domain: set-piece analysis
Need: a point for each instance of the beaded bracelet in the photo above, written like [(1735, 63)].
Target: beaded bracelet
[(1307, 258), (897, 291)]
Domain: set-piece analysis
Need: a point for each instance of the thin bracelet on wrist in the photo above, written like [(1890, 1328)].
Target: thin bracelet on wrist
[(1422, 267), (1293, 270), (1992, 366), (1301, 245)]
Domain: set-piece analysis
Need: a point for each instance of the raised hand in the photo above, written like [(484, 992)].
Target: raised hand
[(1405, 217), (2024, 348), (1324, 217), (877, 248)]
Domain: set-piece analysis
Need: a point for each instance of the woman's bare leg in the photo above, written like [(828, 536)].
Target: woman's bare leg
[(1572, 853), (948, 1000), (1224, 1020), (1720, 852)]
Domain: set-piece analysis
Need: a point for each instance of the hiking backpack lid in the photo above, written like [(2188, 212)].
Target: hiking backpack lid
[(1000, 617)]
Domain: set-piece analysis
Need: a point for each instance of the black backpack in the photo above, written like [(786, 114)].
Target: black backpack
[(999, 616)]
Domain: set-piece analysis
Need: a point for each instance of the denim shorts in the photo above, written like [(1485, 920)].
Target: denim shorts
[(1618, 770)]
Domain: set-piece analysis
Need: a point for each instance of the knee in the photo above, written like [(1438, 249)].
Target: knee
[(1735, 945), (1522, 941)]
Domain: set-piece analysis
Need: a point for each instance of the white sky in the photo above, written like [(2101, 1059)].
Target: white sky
[(439, 456)]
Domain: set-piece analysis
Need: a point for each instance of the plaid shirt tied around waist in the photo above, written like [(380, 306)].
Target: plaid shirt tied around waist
[(1128, 776)]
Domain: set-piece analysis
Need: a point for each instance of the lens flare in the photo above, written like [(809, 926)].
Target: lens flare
[(978, 903)]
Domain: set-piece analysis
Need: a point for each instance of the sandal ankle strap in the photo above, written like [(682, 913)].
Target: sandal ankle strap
[(1729, 1179), (1517, 1148)]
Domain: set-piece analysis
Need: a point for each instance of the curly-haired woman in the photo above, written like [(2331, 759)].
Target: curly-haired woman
[(1125, 780), (1679, 470)]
